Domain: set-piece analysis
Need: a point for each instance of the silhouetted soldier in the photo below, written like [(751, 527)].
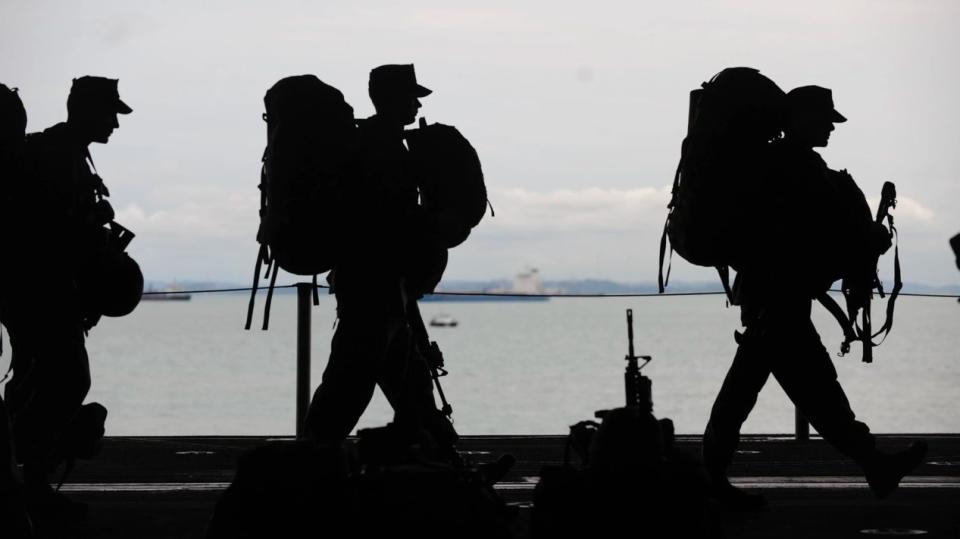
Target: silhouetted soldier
[(818, 227), (373, 343), (62, 218), (14, 522)]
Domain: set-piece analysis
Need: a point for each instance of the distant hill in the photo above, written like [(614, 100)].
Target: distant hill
[(605, 286), (569, 286)]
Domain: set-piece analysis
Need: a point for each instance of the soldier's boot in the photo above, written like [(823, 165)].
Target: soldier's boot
[(884, 471)]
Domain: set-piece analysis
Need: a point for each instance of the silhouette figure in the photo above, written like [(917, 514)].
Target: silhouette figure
[(68, 250), (787, 260), (382, 235), (14, 521)]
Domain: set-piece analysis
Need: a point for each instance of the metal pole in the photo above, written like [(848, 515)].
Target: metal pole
[(801, 426), (304, 296)]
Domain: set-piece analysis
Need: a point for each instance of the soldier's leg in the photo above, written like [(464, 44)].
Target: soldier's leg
[(53, 391), (737, 397), (807, 374), (21, 359), (408, 385), (810, 380), (393, 379), (14, 521), (357, 355), (8, 468)]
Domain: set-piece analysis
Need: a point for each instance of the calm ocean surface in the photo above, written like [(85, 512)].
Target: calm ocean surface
[(181, 368)]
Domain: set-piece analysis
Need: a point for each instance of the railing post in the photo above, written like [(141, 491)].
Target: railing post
[(801, 426), (304, 296)]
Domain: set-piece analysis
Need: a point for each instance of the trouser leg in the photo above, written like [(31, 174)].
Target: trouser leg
[(21, 359), (737, 397), (408, 385), (51, 392), (805, 371), (357, 356), (8, 475), (395, 381)]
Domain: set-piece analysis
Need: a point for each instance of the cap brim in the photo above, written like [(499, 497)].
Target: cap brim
[(837, 118), (123, 108), (420, 91)]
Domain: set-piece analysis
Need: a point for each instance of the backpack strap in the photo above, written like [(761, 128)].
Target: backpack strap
[(724, 273), (273, 282), (99, 188), (834, 308), (897, 285), (662, 281), (865, 330), (261, 256)]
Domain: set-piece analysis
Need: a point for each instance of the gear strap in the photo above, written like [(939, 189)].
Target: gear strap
[(662, 281)]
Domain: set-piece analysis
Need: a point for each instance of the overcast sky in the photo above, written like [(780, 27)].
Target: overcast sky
[(577, 111)]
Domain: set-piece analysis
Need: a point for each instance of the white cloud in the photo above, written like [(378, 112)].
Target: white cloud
[(227, 216), (593, 209), (908, 210)]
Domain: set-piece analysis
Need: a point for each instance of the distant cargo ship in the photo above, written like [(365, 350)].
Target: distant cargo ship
[(169, 294), (527, 286)]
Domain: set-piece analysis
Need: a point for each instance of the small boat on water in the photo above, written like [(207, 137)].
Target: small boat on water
[(443, 321)]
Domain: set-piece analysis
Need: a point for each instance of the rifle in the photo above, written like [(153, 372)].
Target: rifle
[(858, 297), (431, 353), (636, 385)]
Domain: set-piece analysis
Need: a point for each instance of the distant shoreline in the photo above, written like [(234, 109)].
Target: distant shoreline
[(572, 286)]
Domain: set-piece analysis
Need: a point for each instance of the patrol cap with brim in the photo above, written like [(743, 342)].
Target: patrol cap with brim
[(396, 79), (814, 99), (99, 91)]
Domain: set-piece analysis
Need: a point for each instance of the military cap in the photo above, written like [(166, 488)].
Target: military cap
[(396, 79), (814, 99), (98, 91)]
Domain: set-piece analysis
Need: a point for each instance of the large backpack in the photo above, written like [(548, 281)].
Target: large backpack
[(13, 117), (13, 125), (310, 155), (452, 191), (453, 198), (731, 119)]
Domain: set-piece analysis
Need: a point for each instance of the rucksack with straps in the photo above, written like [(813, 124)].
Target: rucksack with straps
[(452, 192), (311, 154), (731, 119), (453, 198)]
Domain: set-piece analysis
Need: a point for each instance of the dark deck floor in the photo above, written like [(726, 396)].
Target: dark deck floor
[(152, 487)]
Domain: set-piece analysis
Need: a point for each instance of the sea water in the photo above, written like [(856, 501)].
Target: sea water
[(189, 368)]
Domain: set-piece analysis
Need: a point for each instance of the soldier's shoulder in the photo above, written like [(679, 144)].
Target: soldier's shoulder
[(56, 136), (49, 150)]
